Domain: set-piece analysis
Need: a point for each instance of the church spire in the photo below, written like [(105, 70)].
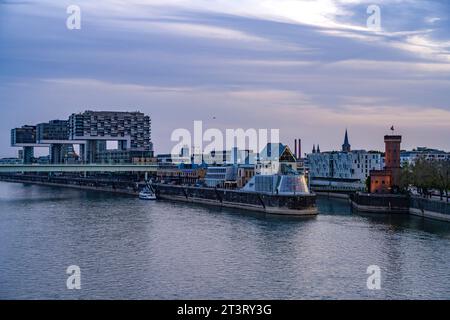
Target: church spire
[(346, 146), (318, 148), (314, 148)]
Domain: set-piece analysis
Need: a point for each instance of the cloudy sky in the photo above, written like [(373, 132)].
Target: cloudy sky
[(309, 68)]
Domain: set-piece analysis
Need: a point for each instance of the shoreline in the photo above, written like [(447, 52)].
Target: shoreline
[(281, 211), (255, 208), (72, 186)]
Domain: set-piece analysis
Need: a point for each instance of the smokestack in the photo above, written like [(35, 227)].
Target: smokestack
[(295, 148), (299, 148)]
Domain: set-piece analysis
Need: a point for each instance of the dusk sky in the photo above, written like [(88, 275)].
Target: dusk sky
[(309, 68)]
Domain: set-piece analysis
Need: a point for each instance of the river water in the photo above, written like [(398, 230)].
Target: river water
[(132, 249)]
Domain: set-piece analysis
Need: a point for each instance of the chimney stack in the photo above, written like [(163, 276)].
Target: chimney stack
[(295, 148), (299, 148)]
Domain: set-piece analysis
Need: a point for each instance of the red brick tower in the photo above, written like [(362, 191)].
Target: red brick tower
[(392, 157), (392, 149), (382, 181)]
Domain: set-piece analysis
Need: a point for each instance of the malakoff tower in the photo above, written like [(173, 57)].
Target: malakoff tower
[(383, 181)]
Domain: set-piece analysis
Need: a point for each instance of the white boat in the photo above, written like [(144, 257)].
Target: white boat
[(147, 194)]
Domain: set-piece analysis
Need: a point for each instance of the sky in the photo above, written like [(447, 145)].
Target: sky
[(309, 68)]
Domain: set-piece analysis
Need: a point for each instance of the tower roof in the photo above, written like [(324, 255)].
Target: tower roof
[(346, 146)]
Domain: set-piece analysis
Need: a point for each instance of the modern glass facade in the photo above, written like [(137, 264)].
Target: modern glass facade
[(23, 135), (278, 184), (134, 127), (217, 176), (121, 156), (53, 130)]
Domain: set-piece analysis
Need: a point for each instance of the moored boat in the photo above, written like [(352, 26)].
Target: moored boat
[(147, 194)]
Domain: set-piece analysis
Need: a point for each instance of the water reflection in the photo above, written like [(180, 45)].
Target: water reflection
[(135, 249)]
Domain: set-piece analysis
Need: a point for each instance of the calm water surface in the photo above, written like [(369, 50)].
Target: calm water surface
[(132, 249)]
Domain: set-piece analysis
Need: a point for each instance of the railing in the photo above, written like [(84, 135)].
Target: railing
[(430, 205)]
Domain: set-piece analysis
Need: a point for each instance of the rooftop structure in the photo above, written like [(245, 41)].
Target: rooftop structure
[(276, 158), (346, 146)]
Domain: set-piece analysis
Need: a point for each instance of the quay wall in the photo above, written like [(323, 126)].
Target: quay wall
[(389, 203), (269, 203), (430, 208), (380, 203), (121, 187), (332, 194)]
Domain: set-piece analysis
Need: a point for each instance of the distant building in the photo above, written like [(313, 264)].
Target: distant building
[(183, 157), (164, 159), (43, 160), (215, 157), (132, 131), (11, 161), (69, 155), (55, 133), (54, 130), (410, 157), (25, 137), (227, 157), (91, 130), (276, 158), (218, 176), (384, 181), (143, 160), (346, 169), (355, 164), (302, 163), (185, 175), (276, 171), (124, 156), (245, 173)]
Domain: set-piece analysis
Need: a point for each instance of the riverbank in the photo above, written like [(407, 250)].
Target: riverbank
[(300, 205), (401, 204), (386, 204), (103, 188), (394, 204), (334, 195), (430, 208)]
